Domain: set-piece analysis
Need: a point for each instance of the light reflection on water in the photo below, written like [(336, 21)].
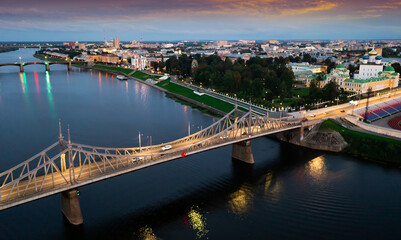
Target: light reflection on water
[(146, 233), (317, 167), (197, 222), (240, 202), (272, 187)]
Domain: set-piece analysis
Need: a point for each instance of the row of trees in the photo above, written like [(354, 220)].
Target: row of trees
[(259, 79)]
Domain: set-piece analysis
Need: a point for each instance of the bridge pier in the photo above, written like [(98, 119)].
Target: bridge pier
[(70, 207), (21, 67), (47, 67), (242, 151), (301, 134)]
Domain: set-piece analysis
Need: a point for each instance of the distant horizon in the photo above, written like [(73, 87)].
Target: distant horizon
[(201, 40)]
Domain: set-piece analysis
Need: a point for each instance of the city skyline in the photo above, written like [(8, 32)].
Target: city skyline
[(198, 20)]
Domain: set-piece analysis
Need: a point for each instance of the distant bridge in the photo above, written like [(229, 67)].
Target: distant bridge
[(64, 166), (47, 64)]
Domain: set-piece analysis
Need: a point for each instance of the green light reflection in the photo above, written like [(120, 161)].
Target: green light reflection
[(49, 94)]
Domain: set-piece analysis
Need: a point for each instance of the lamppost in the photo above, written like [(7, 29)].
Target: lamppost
[(139, 139), (150, 138)]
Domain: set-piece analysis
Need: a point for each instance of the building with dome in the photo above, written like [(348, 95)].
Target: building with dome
[(371, 66), (372, 74)]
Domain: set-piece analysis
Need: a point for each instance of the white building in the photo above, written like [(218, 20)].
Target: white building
[(371, 66), (140, 62)]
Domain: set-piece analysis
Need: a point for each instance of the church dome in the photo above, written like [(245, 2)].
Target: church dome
[(366, 57), (340, 66), (379, 57), (389, 69), (373, 52)]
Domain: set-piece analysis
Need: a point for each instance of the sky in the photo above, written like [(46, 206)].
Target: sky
[(169, 20)]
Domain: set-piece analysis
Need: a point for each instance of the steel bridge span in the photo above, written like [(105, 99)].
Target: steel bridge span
[(64, 166)]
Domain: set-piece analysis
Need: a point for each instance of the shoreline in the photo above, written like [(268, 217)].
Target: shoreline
[(6, 50), (214, 111), (174, 95)]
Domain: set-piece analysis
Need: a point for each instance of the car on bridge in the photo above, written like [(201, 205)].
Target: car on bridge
[(167, 147), (223, 137)]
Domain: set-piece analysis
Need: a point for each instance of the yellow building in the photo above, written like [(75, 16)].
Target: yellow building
[(386, 79)]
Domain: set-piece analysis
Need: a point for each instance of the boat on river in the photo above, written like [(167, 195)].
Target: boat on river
[(122, 77)]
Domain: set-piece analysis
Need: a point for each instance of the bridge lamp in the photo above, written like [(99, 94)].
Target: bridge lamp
[(78, 193)]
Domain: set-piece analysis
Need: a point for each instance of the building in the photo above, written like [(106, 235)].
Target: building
[(82, 46), (371, 66), (141, 62), (104, 58), (304, 72), (221, 43), (370, 75), (386, 79), (338, 75), (116, 43)]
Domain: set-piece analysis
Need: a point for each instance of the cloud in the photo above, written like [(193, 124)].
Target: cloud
[(356, 17)]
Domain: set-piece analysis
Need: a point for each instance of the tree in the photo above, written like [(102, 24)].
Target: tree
[(397, 67), (315, 92), (330, 91), (307, 57), (352, 68)]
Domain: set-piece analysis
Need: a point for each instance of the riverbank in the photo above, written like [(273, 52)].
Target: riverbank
[(367, 146), (211, 104), (8, 49)]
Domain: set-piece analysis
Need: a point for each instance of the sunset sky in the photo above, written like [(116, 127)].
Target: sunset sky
[(45, 20)]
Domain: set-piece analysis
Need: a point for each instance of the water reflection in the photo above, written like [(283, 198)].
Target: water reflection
[(317, 167), (198, 222), (100, 81), (37, 83), (146, 233), (272, 187), (241, 201), (49, 94), (22, 77)]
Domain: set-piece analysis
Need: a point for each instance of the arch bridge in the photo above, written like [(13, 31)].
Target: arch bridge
[(65, 165), (47, 64)]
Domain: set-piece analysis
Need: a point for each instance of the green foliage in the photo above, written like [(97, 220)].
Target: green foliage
[(390, 53), (8, 49), (116, 69), (367, 145), (206, 99), (143, 76), (397, 67)]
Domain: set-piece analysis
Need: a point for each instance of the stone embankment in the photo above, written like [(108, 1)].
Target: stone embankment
[(313, 138)]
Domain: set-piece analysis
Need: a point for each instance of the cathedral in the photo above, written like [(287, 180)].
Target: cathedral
[(371, 75)]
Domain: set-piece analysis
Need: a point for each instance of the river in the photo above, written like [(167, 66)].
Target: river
[(289, 193)]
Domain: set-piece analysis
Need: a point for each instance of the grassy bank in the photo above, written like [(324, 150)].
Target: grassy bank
[(8, 49), (43, 57), (367, 145), (205, 99), (144, 76), (116, 69)]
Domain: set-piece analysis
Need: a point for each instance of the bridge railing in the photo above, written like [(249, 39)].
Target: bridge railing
[(222, 123), (32, 179), (76, 163)]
